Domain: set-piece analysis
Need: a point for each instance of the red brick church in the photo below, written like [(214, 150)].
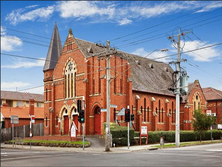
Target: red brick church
[(71, 72)]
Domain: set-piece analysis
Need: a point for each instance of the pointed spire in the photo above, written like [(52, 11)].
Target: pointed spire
[(55, 49)]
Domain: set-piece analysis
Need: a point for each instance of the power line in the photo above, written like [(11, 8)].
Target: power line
[(41, 59), (142, 35), (155, 25), (163, 34)]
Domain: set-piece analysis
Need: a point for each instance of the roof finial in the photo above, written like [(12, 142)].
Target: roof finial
[(70, 31)]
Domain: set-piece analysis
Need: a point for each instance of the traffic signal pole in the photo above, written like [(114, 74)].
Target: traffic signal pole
[(83, 125), (128, 128)]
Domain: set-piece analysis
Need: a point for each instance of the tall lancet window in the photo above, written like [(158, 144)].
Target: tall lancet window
[(70, 80)]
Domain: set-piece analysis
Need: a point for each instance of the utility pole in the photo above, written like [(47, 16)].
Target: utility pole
[(107, 54), (107, 147), (177, 89)]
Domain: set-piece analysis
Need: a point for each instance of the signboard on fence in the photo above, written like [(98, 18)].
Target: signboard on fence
[(14, 119)]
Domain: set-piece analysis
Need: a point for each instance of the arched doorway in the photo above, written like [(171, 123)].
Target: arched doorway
[(66, 122), (97, 121)]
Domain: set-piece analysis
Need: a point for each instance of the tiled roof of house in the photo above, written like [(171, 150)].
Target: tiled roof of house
[(22, 112), (147, 75), (212, 94), (10, 95)]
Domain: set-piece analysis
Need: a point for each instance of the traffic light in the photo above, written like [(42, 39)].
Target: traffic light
[(81, 117), (127, 115), (132, 117), (79, 105)]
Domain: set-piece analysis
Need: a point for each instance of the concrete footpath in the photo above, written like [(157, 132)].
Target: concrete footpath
[(86, 150)]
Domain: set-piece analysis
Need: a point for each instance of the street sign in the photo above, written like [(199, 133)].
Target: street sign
[(32, 117), (103, 110), (208, 112), (121, 112), (219, 126), (143, 130), (14, 119), (113, 106)]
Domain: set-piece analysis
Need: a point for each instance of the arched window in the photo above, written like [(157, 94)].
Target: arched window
[(70, 80), (144, 115), (148, 110), (46, 121), (162, 115), (172, 112), (159, 111), (56, 121), (114, 112), (141, 110)]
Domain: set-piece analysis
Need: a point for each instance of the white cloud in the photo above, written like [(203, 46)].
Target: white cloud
[(13, 85), (21, 86), (124, 14), (210, 7), (201, 55), (9, 43), (24, 64), (37, 90), (156, 55), (115, 12), (124, 21), (82, 9), (21, 15)]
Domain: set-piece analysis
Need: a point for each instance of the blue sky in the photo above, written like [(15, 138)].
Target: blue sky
[(138, 27)]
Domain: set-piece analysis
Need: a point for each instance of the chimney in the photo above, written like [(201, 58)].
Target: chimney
[(31, 106)]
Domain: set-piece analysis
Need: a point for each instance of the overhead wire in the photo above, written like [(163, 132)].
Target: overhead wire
[(136, 32)]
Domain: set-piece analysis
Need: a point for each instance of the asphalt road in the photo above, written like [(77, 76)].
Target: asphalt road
[(204, 155)]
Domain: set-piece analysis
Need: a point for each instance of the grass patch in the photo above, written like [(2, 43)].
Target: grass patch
[(54, 142), (188, 144)]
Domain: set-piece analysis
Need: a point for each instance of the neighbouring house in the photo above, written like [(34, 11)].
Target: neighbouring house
[(214, 102), (22, 105), (75, 70)]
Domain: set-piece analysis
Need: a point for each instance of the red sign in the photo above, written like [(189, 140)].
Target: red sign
[(32, 118)]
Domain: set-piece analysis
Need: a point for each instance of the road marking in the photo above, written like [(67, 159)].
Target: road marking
[(197, 155)]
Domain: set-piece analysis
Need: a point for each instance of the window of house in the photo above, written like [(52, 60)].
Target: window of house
[(70, 80), (19, 103), (38, 104)]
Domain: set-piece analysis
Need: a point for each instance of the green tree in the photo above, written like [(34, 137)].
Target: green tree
[(202, 122)]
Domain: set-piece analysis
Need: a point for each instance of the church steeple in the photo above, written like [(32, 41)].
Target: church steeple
[(55, 49)]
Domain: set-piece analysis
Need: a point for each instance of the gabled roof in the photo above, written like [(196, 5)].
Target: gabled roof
[(147, 75), (10, 95), (212, 94), (54, 51)]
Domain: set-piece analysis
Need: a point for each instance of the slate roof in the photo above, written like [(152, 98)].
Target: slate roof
[(212, 94), (147, 75), (10, 95), (54, 51)]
